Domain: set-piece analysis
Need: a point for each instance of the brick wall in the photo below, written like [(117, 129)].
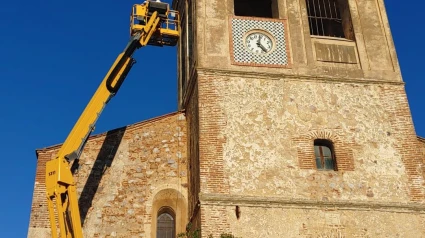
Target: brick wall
[(422, 146), (39, 221), (407, 144), (123, 175), (211, 139), (214, 220), (422, 149)]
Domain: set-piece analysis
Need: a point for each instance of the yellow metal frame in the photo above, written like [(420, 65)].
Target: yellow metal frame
[(168, 31), (60, 186)]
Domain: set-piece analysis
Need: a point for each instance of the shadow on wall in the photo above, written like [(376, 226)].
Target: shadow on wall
[(103, 161)]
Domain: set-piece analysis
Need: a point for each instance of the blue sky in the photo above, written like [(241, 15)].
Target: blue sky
[(55, 53)]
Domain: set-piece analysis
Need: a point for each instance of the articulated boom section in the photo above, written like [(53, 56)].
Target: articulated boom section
[(152, 23)]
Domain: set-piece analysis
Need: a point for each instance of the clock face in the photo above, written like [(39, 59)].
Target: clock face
[(259, 43)]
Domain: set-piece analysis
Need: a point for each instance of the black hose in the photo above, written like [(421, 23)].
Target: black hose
[(129, 50)]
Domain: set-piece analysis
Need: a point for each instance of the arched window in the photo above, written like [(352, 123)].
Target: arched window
[(166, 223), (324, 153)]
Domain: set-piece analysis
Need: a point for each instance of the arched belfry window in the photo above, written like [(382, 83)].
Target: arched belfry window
[(324, 154), (166, 223)]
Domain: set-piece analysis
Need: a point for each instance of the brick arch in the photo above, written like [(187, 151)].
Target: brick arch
[(327, 135), (305, 149)]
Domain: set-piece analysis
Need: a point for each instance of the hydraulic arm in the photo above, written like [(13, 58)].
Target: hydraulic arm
[(151, 23)]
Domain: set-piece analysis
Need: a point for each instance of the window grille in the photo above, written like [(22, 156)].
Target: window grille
[(324, 18), (165, 226), (166, 223)]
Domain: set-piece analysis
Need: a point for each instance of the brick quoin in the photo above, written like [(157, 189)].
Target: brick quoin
[(407, 143), (422, 146), (211, 122), (39, 217), (214, 220)]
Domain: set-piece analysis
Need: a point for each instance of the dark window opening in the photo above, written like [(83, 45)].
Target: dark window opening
[(330, 18), (324, 154), (255, 8), (166, 225)]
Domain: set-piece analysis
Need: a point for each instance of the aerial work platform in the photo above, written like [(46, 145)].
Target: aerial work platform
[(167, 32)]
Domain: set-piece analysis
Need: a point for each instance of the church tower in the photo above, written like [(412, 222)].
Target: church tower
[(297, 120)]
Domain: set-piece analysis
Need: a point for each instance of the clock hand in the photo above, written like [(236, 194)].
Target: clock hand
[(262, 47)]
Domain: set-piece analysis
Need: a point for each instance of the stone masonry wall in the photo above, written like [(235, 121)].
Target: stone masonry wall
[(122, 178), (326, 222), (250, 133), (262, 120)]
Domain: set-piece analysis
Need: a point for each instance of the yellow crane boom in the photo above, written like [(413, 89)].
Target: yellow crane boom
[(151, 23)]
